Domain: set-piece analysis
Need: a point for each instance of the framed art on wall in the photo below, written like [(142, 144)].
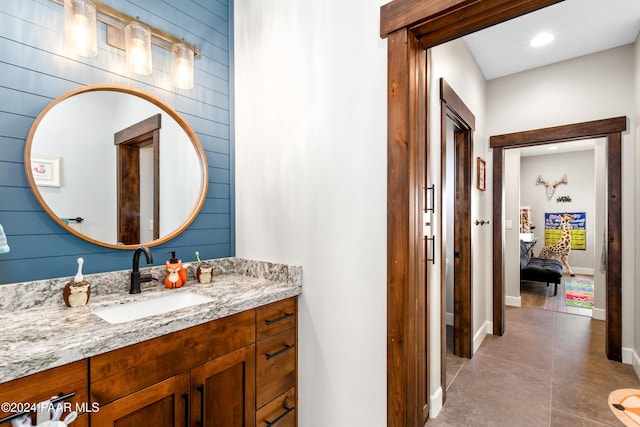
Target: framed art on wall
[(46, 170), (481, 168)]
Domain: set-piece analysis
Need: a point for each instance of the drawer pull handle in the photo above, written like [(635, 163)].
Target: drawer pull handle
[(285, 316), (201, 390), (282, 350), (185, 396), (281, 416), (61, 397)]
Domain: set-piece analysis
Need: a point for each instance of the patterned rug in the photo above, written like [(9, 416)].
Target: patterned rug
[(625, 404), (578, 292)]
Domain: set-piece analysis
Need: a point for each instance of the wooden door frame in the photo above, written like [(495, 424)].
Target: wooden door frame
[(453, 108), (611, 129), (128, 142), (411, 27)]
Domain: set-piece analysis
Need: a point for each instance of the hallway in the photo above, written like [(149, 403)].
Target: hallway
[(549, 369)]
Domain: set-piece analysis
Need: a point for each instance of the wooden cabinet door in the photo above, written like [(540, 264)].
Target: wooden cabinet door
[(164, 404), (223, 391)]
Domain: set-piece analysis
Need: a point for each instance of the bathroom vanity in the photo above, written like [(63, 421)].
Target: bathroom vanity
[(227, 358), (228, 362)]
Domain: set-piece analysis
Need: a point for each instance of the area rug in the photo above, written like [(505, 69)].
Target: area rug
[(625, 404), (578, 293)]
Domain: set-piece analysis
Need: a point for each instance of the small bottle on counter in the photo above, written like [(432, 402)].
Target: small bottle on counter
[(176, 272), (76, 293)]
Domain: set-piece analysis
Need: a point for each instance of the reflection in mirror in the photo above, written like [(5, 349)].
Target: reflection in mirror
[(125, 163)]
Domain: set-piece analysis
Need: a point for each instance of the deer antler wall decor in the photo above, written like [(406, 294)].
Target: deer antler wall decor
[(551, 188)]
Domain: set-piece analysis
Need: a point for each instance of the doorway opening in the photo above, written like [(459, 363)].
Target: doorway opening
[(456, 145), (611, 130), (550, 180), (138, 178)]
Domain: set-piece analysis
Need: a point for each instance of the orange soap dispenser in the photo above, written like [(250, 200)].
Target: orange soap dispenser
[(176, 273)]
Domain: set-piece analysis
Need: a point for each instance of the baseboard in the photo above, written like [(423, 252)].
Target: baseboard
[(636, 363), (435, 403), (627, 355), (481, 335), (584, 270), (513, 301), (598, 313), (448, 318)]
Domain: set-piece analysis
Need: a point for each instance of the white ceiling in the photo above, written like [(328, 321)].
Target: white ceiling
[(581, 27), (560, 147)]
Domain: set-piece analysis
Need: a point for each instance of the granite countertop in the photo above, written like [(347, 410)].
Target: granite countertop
[(49, 334)]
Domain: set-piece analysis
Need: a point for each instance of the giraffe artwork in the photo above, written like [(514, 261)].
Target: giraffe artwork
[(561, 249)]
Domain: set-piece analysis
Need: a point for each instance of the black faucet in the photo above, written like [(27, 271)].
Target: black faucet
[(136, 277)]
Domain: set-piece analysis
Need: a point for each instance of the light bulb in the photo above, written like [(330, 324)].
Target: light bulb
[(183, 71), (80, 27), (138, 48)]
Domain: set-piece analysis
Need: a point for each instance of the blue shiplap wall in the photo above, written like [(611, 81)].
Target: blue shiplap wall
[(34, 70)]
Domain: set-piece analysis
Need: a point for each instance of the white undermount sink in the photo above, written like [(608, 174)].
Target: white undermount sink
[(139, 309)]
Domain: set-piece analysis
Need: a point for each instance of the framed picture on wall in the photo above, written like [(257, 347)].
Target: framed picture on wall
[(481, 168), (46, 170)]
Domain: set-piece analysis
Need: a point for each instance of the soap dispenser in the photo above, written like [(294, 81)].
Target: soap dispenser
[(176, 273), (77, 291)]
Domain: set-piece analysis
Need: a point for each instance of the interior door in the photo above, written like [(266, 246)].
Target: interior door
[(463, 339)]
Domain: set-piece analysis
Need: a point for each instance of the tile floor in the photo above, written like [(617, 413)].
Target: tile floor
[(549, 369)]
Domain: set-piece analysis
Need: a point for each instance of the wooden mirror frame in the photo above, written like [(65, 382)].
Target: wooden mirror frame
[(204, 177)]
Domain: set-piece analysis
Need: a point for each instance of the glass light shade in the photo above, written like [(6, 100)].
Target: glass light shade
[(137, 39), (80, 27), (182, 66)]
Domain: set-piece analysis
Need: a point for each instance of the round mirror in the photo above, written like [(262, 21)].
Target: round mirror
[(116, 166)]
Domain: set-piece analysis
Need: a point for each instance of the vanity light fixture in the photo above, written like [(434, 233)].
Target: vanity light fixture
[(542, 39), (80, 27), (182, 64), (117, 22), (137, 41)]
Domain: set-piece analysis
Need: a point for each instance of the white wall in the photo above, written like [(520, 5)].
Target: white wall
[(636, 132), (511, 204), (311, 165), (599, 271), (454, 62), (579, 166), (592, 87)]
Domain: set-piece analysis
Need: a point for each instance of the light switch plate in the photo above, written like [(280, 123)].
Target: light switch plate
[(508, 224)]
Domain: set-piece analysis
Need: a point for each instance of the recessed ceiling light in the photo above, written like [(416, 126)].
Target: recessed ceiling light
[(552, 147), (542, 39)]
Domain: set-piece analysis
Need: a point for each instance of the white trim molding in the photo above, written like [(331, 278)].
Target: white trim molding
[(487, 328), (513, 301), (598, 313), (636, 363), (628, 355), (435, 403)]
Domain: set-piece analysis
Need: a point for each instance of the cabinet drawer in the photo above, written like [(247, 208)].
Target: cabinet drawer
[(275, 317), (126, 370), (275, 366), (66, 379), (280, 412)]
